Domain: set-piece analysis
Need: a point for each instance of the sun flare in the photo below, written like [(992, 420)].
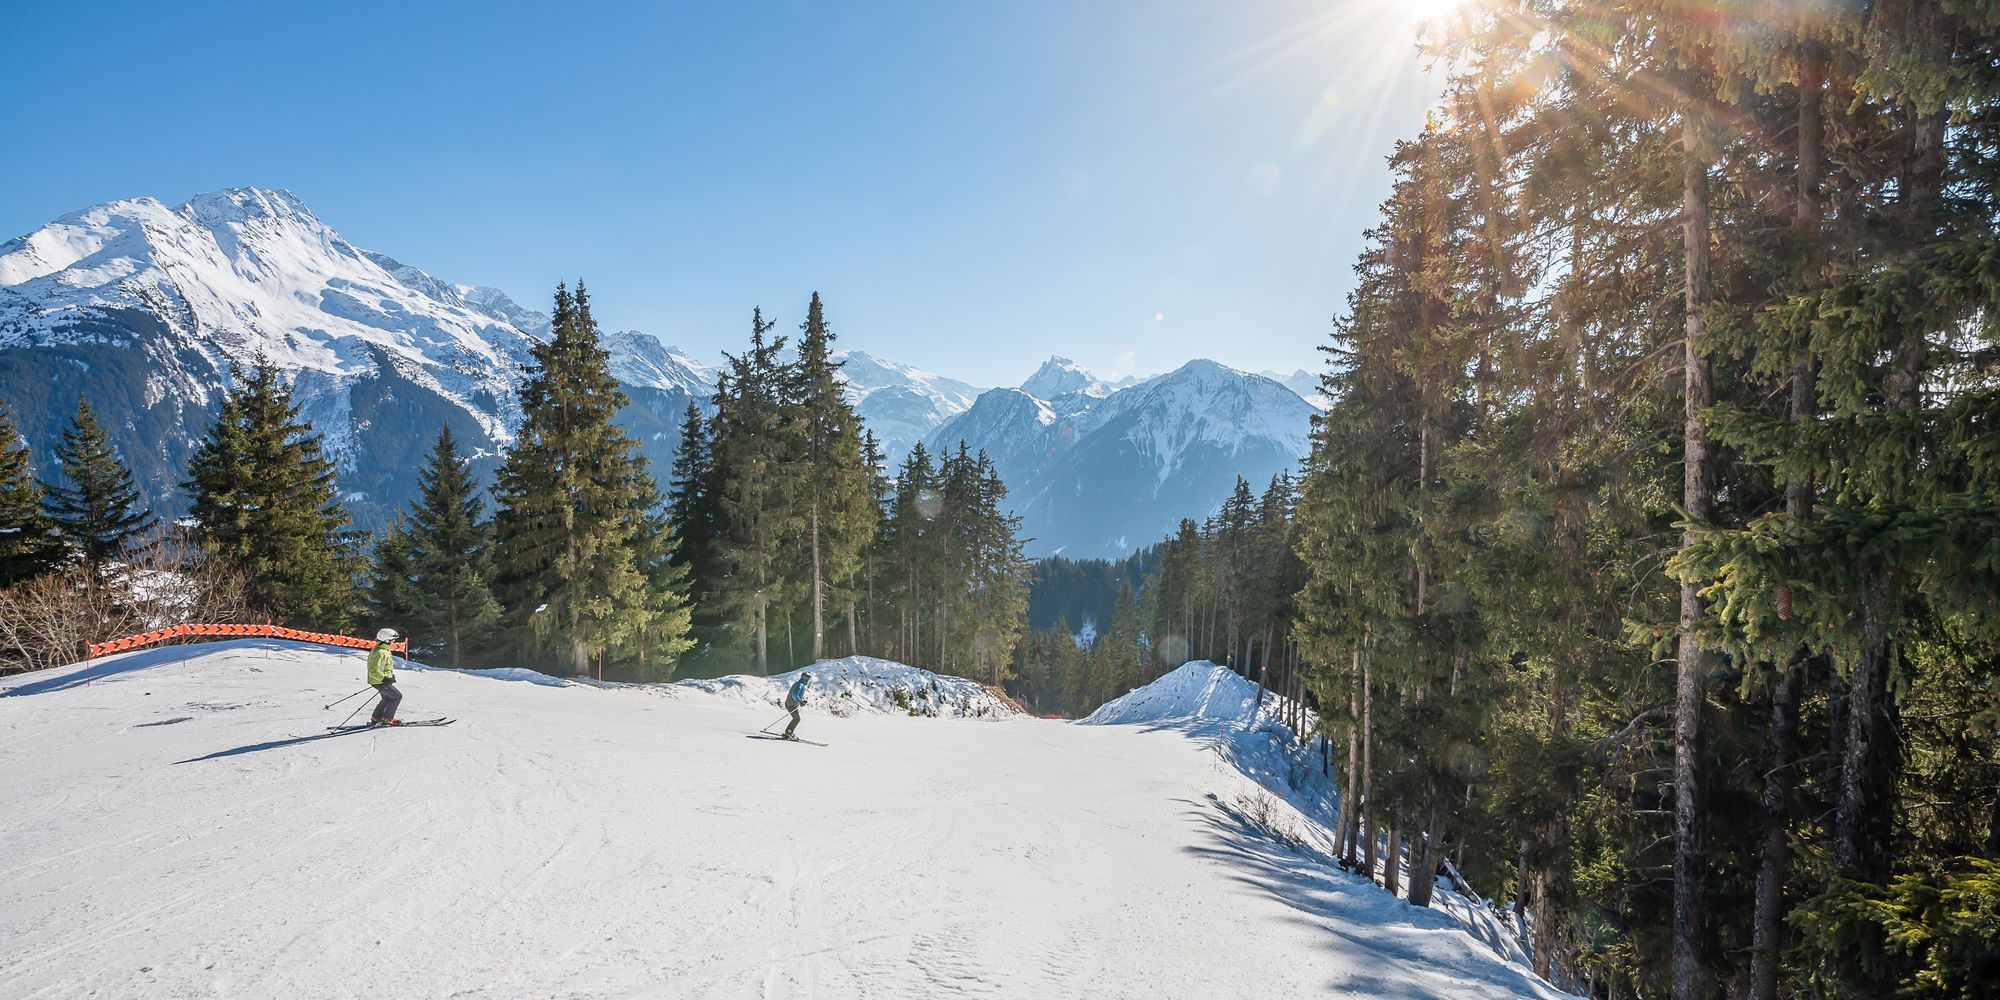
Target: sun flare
[(1421, 14)]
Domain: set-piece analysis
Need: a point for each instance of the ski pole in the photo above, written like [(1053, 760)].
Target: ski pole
[(781, 718), (354, 695), (351, 715)]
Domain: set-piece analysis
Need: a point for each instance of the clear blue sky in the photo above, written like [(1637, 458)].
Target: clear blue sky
[(971, 186)]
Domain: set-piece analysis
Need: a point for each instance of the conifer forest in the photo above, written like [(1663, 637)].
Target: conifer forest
[(1643, 572)]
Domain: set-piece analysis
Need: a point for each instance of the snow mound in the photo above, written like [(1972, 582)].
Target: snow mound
[(508, 674), (1195, 691), (856, 685)]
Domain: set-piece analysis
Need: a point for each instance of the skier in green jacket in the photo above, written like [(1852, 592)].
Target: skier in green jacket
[(382, 677)]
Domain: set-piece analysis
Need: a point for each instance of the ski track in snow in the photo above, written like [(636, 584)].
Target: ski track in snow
[(575, 842)]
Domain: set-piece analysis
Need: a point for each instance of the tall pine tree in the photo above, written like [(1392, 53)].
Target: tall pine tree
[(96, 508), (451, 557), (836, 500), (572, 517), (263, 501), (27, 547)]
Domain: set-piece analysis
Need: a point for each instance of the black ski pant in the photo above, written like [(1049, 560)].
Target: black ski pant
[(391, 698), (792, 707)]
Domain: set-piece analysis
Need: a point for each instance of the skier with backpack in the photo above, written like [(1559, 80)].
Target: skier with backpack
[(793, 699), (382, 677)]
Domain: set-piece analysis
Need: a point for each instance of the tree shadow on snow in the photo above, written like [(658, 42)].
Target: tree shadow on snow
[(1366, 928), (77, 675), (271, 745)]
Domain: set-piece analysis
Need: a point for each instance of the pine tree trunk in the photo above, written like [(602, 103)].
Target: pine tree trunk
[(451, 614), (1264, 666), (1867, 771), (1521, 898), (1392, 862), (1541, 905), (819, 590), (853, 641), (1368, 756), (1767, 922), (1350, 805), (1425, 861), (1869, 760), (1767, 925), (1369, 835), (1696, 480)]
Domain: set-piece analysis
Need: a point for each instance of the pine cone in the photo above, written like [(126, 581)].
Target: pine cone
[(1783, 601)]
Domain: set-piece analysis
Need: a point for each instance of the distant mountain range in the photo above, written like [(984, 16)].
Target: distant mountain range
[(145, 309), (1096, 470)]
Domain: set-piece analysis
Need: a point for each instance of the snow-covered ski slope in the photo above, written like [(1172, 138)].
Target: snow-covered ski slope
[(178, 823)]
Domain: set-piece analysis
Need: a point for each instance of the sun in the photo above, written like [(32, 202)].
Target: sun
[(1419, 14)]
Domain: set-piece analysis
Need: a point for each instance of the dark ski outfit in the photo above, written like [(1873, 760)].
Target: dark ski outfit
[(793, 699), (382, 677)]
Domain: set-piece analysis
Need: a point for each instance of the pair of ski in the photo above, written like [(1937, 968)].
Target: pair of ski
[(785, 739), (399, 725)]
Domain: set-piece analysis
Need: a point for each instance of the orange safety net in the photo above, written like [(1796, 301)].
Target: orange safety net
[(96, 649)]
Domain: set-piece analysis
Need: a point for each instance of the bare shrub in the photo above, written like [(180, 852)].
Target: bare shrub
[(1262, 811), (49, 620)]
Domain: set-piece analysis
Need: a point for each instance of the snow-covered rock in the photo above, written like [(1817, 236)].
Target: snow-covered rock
[(1095, 470), (863, 684)]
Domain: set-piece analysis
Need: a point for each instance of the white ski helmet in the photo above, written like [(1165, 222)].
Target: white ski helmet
[(386, 635)]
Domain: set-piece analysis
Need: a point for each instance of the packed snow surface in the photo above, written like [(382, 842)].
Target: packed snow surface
[(179, 822)]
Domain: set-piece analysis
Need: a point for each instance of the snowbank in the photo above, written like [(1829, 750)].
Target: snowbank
[(1219, 708), (510, 674), (865, 685)]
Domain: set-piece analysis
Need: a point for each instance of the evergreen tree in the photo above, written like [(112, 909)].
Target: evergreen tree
[(575, 565), (27, 548), (450, 557), (666, 618), (98, 512), (391, 586), (754, 491), (836, 498), (263, 500)]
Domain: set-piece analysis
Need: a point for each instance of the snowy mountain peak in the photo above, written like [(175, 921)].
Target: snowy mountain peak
[(1059, 376), (900, 403), (248, 204), (134, 302), (1303, 382)]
